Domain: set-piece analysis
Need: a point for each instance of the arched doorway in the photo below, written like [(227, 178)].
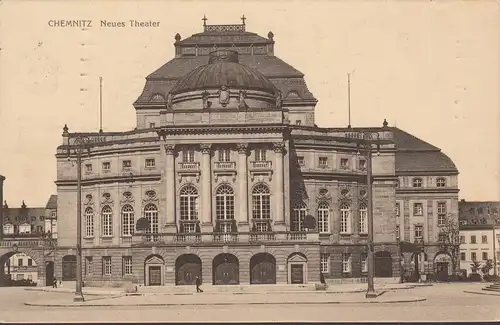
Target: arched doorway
[(49, 273), (17, 266), (297, 268), (383, 264), (226, 269), (69, 268), (262, 269), (443, 266), (187, 268), (154, 270)]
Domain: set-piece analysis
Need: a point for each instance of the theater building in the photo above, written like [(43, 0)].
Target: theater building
[(226, 163)]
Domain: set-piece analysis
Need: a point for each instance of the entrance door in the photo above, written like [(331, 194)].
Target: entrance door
[(264, 273), (442, 271), (155, 276), (49, 273), (297, 273), (69, 268), (226, 273)]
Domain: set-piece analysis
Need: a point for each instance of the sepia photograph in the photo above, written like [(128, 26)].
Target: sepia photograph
[(249, 161)]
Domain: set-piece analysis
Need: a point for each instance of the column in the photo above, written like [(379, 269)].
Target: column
[(243, 222), (279, 216), (206, 192), (170, 187)]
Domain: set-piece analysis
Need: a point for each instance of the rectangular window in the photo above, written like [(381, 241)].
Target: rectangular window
[(126, 164), (363, 220), (364, 263), (325, 265), (298, 122), (20, 262), (323, 162), (127, 265), (346, 263), (441, 211), (462, 256), (106, 165), (88, 168), (484, 239), (30, 262), (485, 256), (344, 163), (397, 210), (224, 155), (189, 228), (418, 209), (462, 239), (473, 239), (150, 163), (419, 231), (152, 125), (300, 160), (260, 154), (261, 226), (323, 219), (344, 221), (297, 222), (473, 256), (106, 265), (89, 265), (188, 155)]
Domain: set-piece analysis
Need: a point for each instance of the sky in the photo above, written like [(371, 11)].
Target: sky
[(431, 68)]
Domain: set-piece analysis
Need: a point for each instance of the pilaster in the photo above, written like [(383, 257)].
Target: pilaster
[(169, 183), (206, 191), (279, 215), (243, 223)]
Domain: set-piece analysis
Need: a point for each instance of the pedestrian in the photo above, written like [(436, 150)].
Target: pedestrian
[(54, 283), (198, 284)]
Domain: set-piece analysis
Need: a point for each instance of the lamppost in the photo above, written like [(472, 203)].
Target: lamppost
[(365, 140), (81, 144)]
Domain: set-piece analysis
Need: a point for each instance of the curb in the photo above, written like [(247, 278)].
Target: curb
[(73, 291), (232, 303), (486, 293)]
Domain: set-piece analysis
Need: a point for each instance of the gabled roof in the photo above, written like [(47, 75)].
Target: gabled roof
[(52, 202)]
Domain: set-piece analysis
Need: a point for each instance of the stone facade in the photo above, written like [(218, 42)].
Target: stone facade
[(228, 176)]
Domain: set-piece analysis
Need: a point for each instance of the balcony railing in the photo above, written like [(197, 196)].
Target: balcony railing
[(194, 165), (296, 235), (188, 238), (225, 165), (225, 237), (262, 236), (261, 164)]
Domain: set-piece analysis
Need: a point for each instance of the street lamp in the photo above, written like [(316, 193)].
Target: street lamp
[(81, 144), (365, 140)]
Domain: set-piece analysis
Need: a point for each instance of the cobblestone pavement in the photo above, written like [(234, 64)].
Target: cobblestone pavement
[(445, 302)]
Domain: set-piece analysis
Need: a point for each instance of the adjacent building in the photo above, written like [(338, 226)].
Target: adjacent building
[(479, 234), (225, 170)]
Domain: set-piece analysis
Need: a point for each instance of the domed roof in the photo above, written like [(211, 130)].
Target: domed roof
[(223, 68)]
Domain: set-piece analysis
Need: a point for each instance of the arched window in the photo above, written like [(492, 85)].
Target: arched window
[(127, 220), (345, 218), (89, 222), (417, 182), (363, 219), (441, 182), (189, 203), (107, 221), (151, 213), (323, 218), (261, 202), (299, 213), (224, 203)]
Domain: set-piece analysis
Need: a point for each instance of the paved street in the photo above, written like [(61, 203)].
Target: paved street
[(445, 302)]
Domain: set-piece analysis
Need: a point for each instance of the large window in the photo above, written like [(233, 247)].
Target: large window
[(418, 209), (8, 229), (261, 202), (151, 213), (325, 263), (323, 218), (397, 210), (419, 231), (89, 222), (106, 265), (224, 155), (441, 182), (127, 265), (299, 213), (224, 203), (189, 203), (260, 154), (345, 218), (89, 265), (127, 220), (346, 263), (188, 155), (363, 219), (107, 221), (441, 212)]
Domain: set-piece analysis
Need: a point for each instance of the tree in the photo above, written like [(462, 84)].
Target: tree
[(475, 266), (488, 265), (449, 238)]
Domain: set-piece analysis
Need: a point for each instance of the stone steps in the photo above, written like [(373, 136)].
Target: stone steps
[(493, 287)]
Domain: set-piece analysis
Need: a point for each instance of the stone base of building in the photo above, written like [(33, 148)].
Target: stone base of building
[(390, 280)]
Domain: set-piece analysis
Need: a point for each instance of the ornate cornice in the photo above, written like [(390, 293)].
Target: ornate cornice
[(89, 200), (219, 129), (127, 198), (150, 196), (106, 199)]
